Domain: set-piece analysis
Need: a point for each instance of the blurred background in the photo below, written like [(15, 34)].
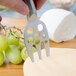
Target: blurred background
[(5, 12)]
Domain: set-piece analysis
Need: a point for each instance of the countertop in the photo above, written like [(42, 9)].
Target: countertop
[(17, 70)]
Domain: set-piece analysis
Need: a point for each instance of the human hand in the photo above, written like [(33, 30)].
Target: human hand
[(20, 6)]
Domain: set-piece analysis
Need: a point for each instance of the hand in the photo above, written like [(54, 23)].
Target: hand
[(39, 3), (20, 6)]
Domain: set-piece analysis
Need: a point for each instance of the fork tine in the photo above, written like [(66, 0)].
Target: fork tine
[(47, 49), (30, 52), (38, 47)]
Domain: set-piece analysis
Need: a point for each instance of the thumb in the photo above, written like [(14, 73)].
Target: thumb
[(16, 5)]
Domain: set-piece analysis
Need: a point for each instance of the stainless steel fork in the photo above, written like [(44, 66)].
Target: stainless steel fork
[(38, 28)]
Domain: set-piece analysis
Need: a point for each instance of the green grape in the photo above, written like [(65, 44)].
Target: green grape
[(3, 43), (22, 40), (24, 53), (21, 43), (34, 50), (29, 32), (1, 58), (12, 40), (30, 40), (17, 34), (37, 41), (2, 7), (13, 54)]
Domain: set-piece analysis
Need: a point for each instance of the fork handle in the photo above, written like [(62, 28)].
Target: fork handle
[(32, 14)]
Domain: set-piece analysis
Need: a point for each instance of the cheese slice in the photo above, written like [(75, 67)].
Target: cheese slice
[(62, 62), (61, 24)]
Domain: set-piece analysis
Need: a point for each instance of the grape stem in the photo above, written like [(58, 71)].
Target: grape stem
[(16, 36), (13, 27), (2, 27)]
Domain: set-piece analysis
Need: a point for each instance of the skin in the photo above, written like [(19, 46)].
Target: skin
[(20, 6)]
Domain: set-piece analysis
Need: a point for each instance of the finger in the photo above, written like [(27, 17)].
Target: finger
[(39, 3), (16, 5)]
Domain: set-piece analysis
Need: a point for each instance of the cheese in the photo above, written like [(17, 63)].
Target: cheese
[(61, 2), (62, 62), (61, 24)]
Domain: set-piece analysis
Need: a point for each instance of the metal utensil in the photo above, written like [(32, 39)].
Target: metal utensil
[(35, 23)]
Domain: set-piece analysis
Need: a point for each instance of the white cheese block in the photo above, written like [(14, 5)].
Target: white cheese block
[(61, 24), (62, 62)]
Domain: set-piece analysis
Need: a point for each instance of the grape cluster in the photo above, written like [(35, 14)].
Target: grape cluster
[(12, 43)]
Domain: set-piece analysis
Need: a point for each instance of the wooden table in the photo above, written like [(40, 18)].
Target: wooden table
[(17, 70)]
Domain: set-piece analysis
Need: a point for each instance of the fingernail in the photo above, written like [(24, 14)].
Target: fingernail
[(24, 10)]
